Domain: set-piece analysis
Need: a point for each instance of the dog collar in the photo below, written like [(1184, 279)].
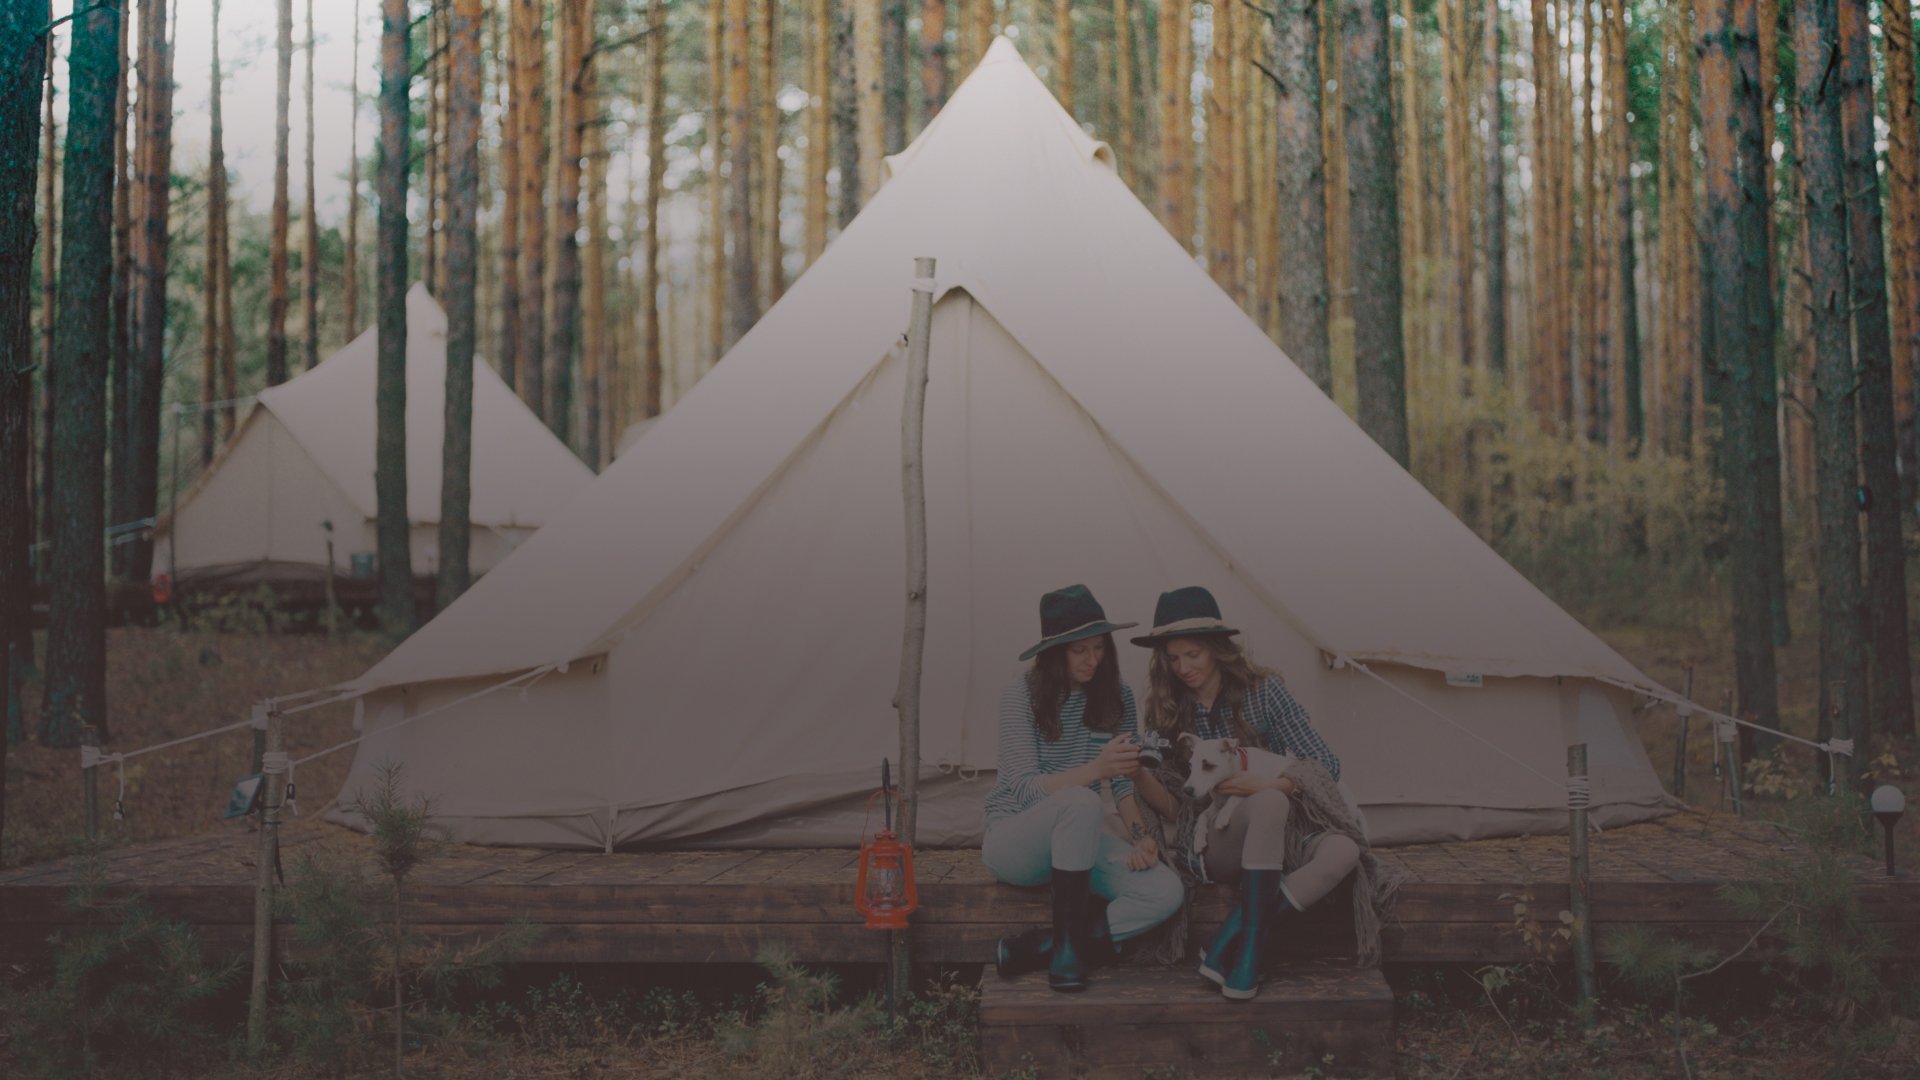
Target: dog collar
[(1242, 751)]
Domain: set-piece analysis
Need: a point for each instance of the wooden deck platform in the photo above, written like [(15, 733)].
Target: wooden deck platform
[(723, 906)]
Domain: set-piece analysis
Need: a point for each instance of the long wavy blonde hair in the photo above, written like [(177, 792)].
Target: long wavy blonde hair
[(1170, 703)]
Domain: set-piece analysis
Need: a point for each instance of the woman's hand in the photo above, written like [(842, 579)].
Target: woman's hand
[(1249, 784), (1120, 757), (1146, 852)]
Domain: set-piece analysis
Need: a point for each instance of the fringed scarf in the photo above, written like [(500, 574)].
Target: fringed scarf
[(1318, 806)]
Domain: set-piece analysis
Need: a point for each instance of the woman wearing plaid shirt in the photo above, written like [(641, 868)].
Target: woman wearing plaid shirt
[(1202, 681), (1067, 727)]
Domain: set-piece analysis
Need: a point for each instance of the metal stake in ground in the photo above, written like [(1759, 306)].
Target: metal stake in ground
[(273, 767), (914, 639), (1579, 888)]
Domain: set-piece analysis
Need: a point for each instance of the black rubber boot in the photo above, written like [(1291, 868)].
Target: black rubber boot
[(1213, 963), (1259, 896), (1033, 949), (1066, 964)]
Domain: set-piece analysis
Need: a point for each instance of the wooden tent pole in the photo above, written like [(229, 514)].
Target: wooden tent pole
[(1579, 891), (914, 639), (274, 788)]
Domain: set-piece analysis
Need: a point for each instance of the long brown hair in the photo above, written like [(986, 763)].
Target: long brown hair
[(1049, 686), (1170, 702)]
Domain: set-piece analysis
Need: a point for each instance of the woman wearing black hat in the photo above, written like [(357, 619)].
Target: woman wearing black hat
[(1066, 726), (1202, 683)]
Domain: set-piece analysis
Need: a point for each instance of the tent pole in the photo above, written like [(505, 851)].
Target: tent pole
[(913, 646), (1680, 744), (273, 794), (1579, 890)]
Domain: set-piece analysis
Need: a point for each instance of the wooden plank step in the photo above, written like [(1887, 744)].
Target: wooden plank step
[(1335, 1018)]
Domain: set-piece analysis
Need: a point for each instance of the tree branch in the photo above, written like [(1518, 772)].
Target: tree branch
[(77, 12), (1764, 927), (1271, 16), (1277, 82)]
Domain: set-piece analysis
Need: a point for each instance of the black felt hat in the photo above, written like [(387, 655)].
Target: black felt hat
[(1185, 613), (1071, 614)]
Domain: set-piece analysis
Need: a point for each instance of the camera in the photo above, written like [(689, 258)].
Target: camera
[(1155, 748)]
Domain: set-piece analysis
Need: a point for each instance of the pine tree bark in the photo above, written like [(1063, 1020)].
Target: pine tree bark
[(743, 308), (210, 363), (76, 682), (23, 37), (820, 104), (1220, 165), (1741, 356), (869, 71), (1063, 54), (1416, 311), (1379, 348), (651, 350), (595, 362), (147, 375), (397, 613), (530, 91), (1629, 424), (1843, 666), (716, 179), (350, 270), (310, 248), (767, 169), (508, 76), (1890, 704), (847, 133), (125, 272), (1301, 175), (1457, 44), (1123, 90), (1903, 206), (50, 276), (1493, 212), (933, 58), (1176, 119), (1544, 287), (572, 29), (894, 61), (277, 257), (463, 243)]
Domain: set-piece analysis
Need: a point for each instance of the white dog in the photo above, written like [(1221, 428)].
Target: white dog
[(1213, 760)]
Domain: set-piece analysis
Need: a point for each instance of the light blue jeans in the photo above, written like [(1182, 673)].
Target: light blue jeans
[(1063, 831)]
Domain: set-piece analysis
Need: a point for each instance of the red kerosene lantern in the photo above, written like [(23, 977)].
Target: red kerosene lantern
[(885, 891)]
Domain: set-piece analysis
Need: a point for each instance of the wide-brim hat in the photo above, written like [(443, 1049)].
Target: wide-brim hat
[(1185, 613), (1068, 615)]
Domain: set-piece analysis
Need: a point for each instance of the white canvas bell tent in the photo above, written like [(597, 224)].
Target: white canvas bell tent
[(702, 649), (303, 456)]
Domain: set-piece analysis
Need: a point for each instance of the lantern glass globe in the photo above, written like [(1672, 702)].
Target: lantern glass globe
[(1887, 799)]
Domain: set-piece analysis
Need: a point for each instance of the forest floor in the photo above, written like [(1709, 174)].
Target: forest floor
[(1455, 1021)]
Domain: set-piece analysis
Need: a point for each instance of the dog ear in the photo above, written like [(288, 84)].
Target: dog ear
[(1189, 739), (1230, 744)]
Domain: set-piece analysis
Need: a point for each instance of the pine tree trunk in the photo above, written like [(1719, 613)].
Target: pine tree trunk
[(933, 58), (76, 682), (21, 37), (1333, 148), (1843, 668), (894, 62), (350, 269), (1379, 348), (1123, 91), (310, 253), (1589, 356), (1302, 197), (848, 136), (1220, 166), (767, 168), (1458, 45), (1176, 119), (869, 70), (1903, 206), (390, 394), (716, 181), (595, 361), (277, 259), (572, 29), (147, 376), (651, 358), (50, 277), (1891, 703), (1629, 419), (463, 241), (531, 91), (135, 130), (1493, 213), (124, 269), (1063, 54), (1544, 286), (210, 366), (511, 123), (1741, 360), (819, 38), (743, 307)]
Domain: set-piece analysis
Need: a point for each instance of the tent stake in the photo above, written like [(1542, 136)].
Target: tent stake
[(914, 638), (1579, 891), (274, 781)]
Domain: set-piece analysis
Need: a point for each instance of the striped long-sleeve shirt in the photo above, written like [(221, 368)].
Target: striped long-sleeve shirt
[(1026, 758), (1279, 719)]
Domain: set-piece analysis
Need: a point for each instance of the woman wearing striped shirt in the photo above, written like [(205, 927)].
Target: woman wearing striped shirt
[(1067, 726), (1202, 682)]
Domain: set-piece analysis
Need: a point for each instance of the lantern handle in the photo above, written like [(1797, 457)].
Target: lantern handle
[(886, 791)]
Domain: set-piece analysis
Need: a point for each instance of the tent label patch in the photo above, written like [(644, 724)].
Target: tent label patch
[(1460, 678)]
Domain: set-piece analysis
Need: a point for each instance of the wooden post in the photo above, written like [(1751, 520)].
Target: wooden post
[(331, 616), (1730, 736), (258, 720), (274, 786), (914, 639), (1680, 744), (90, 772), (1579, 890)]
